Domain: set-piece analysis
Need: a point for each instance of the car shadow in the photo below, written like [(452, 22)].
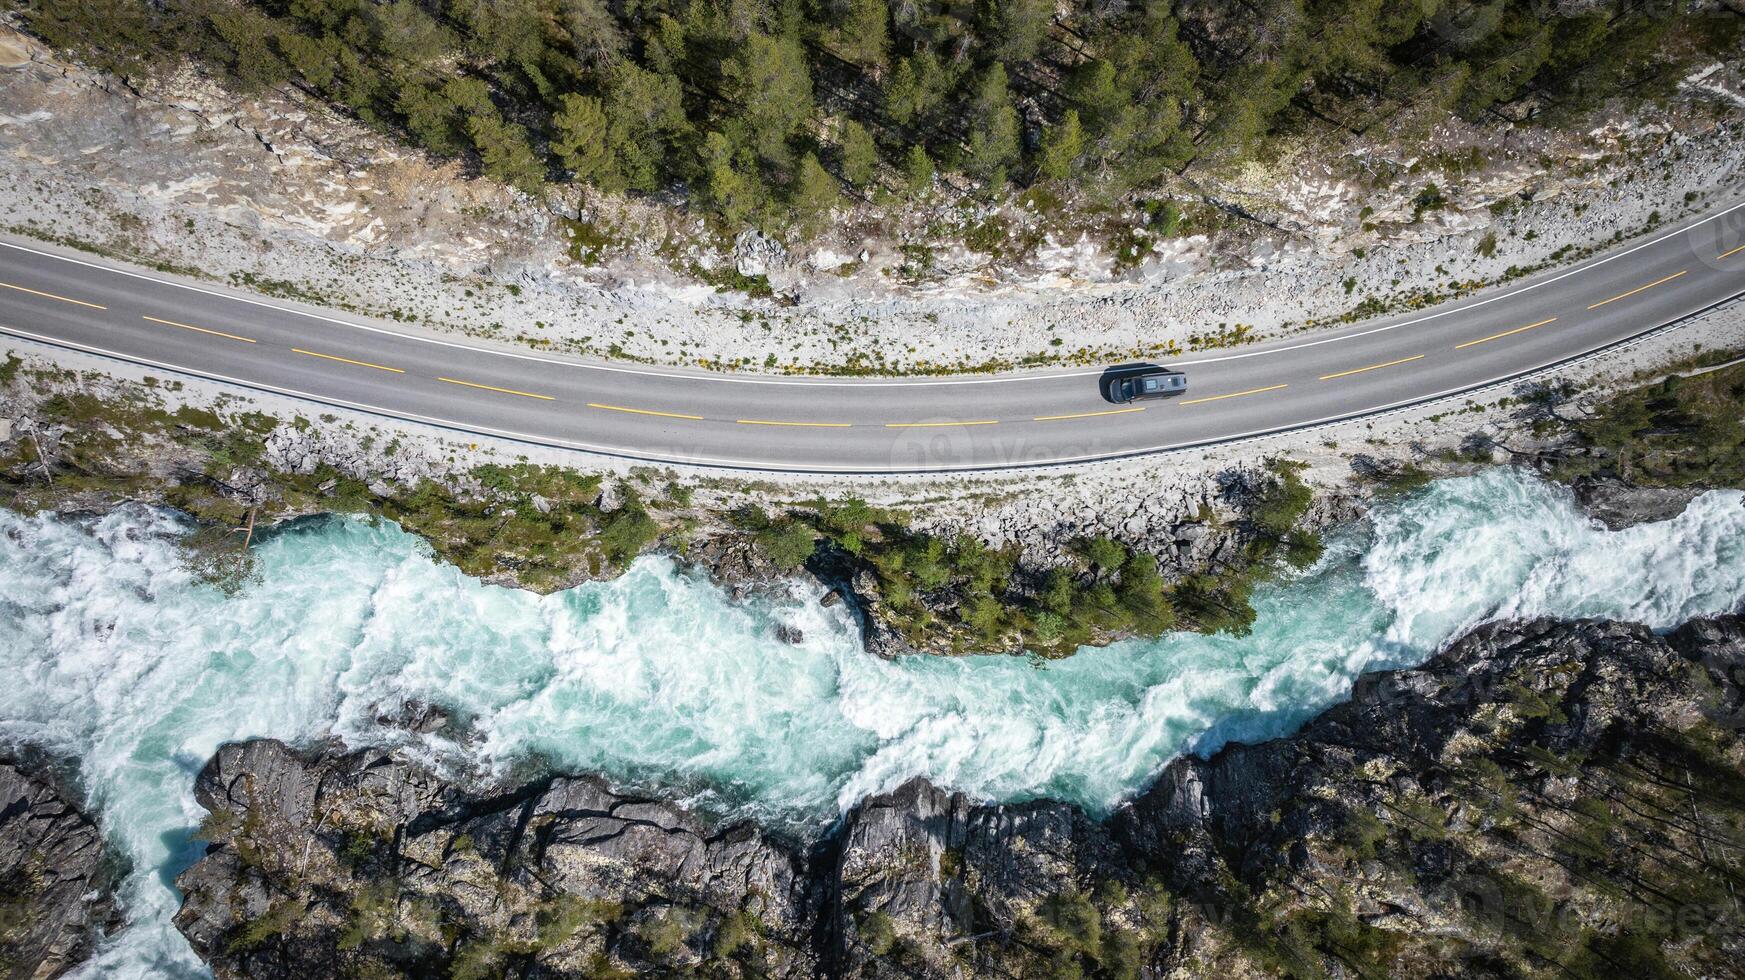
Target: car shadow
[(1119, 371)]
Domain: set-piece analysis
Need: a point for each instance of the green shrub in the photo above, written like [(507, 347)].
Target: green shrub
[(627, 532), (788, 543), (878, 933), (280, 918)]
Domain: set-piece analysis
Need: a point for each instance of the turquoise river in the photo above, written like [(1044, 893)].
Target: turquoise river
[(115, 656)]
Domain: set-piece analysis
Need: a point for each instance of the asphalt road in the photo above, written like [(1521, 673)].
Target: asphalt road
[(862, 425)]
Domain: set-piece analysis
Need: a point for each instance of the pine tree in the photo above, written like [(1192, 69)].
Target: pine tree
[(916, 87), (864, 34), (917, 169), (774, 91), (860, 156), (645, 115), (664, 44), (592, 30), (993, 137), (812, 195), (469, 96), (730, 192), (1091, 87), (504, 153), (430, 118), (1020, 27), (1061, 147), (312, 59), (252, 61), (902, 93), (579, 137)]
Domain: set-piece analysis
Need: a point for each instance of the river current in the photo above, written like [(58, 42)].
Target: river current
[(113, 654)]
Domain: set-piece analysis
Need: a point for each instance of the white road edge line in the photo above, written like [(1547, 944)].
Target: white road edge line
[(1453, 307)]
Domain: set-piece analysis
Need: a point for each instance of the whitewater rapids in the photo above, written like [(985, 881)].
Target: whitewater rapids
[(114, 655)]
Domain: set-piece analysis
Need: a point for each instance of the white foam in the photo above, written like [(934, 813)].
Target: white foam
[(117, 657)]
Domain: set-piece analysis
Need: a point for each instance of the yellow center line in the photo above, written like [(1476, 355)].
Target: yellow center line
[(1233, 394), (64, 299), (1505, 333), (346, 360), (1087, 415), (1372, 367), (802, 425), (644, 411), (1638, 289), (935, 425), (190, 326), (1731, 251), (506, 391)]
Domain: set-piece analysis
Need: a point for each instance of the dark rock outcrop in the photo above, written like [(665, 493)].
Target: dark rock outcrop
[(57, 878), (1542, 799), (324, 864), (1618, 504)]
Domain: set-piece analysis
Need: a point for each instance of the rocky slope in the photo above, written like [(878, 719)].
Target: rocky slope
[(57, 878), (1541, 799)]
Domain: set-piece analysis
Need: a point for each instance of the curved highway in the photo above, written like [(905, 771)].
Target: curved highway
[(827, 425)]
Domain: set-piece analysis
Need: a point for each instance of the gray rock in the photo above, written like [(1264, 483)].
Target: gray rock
[(415, 716), (1618, 505), (611, 497), (735, 563), (941, 870), (57, 879), (297, 837), (754, 254)]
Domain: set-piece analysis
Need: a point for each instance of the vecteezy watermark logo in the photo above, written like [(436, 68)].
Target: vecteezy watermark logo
[(1719, 242), (1725, 665), (1477, 901), (1467, 26), (1495, 905), (990, 444), (932, 445)]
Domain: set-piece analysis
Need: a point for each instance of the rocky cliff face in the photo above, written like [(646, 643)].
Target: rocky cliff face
[(326, 865), (1543, 798), (57, 878)]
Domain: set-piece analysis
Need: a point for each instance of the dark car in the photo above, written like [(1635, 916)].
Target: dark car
[(1151, 384)]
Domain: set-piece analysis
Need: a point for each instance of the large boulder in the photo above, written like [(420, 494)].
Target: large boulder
[(57, 878), (928, 883)]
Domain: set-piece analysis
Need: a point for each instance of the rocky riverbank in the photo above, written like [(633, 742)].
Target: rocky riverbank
[(1044, 563), (1543, 797), (57, 876), (924, 577)]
